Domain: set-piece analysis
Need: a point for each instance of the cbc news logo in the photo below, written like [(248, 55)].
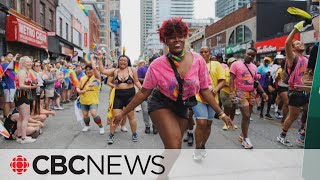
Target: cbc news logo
[(19, 164)]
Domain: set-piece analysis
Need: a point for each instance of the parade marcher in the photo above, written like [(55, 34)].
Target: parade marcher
[(125, 77), (203, 113), (228, 107), (266, 82), (8, 84), (243, 82), (276, 73), (142, 71), (23, 99), (176, 78), (295, 68), (89, 90)]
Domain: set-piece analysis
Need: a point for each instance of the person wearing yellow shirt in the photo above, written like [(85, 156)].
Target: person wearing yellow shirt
[(228, 106), (89, 89), (203, 113)]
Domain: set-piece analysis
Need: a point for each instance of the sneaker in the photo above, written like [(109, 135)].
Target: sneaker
[(278, 115), (85, 128), (60, 108), (27, 140), (154, 129), (225, 127), (190, 141), (283, 141), (124, 129), (268, 116), (147, 130), (135, 137), (204, 152), (235, 126), (251, 119), (138, 109), (237, 112), (101, 130), (246, 143), (197, 155), (300, 142), (110, 139), (272, 106)]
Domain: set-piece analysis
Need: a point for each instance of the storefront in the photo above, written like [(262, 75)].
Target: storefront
[(2, 32), (60, 49), (25, 39), (238, 50), (271, 47)]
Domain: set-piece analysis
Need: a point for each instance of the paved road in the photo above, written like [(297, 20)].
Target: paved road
[(63, 132)]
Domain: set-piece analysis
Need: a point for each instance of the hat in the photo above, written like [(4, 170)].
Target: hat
[(47, 61), (267, 59), (231, 60), (279, 56)]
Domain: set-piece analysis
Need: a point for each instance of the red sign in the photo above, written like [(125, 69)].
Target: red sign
[(85, 39), (272, 45), (18, 30)]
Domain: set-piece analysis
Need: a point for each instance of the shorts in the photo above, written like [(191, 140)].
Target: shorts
[(157, 100), (57, 92), (22, 96), (298, 98), (49, 93), (88, 107), (226, 100), (69, 86), (203, 111), (246, 98), (282, 89), (9, 95), (123, 97)]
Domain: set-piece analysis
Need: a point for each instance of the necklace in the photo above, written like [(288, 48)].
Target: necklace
[(176, 58)]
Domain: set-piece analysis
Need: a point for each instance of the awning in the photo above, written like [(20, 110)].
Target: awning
[(18, 30), (273, 45)]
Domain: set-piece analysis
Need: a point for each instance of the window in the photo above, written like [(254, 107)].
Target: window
[(231, 39), (12, 4), (19, 6), (67, 31), (247, 34), (22, 5), (240, 34), (42, 9), (29, 12), (51, 20), (60, 27)]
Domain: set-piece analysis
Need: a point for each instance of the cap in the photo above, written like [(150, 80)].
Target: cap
[(231, 60), (267, 59), (279, 56)]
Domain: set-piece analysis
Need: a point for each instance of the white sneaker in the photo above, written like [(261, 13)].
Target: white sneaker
[(237, 112), (86, 128), (197, 155), (124, 129), (247, 143), (101, 130), (27, 140)]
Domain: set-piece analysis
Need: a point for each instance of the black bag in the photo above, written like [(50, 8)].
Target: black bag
[(191, 101), (255, 83)]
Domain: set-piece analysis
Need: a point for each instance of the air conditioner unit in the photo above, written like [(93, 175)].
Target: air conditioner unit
[(249, 6)]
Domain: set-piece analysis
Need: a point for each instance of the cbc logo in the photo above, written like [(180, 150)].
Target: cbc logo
[(19, 164)]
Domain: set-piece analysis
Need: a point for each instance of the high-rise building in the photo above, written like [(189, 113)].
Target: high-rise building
[(146, 20), (225, 7), (115, 27)]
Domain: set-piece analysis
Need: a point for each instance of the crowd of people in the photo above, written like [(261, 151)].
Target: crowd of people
[(178, 90)]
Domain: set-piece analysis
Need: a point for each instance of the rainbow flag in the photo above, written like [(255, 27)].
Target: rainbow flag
[(95, 47), (87, 58), (32, 75), (79, 76), (3, 131), (1, 71), (73, 77), (12, 69)]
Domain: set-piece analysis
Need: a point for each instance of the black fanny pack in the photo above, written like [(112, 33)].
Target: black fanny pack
[(191, 101), (188, 103)]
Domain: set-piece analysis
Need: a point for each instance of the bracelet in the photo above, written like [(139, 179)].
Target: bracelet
[(222, 116)]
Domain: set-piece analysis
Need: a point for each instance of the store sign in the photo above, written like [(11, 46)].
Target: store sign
[(18, 30), (238, 48), (273, 45), (66, 51), (218, 50), (85, 39)]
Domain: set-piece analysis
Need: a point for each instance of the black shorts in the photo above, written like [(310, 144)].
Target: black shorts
[(123, 97), (282, 89), (298, 98), (22, 96), (159, 101)]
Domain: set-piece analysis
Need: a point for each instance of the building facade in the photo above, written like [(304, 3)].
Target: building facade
[(225, 7), (104, 9), (115, 28), (4, 10), (33, 19)]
